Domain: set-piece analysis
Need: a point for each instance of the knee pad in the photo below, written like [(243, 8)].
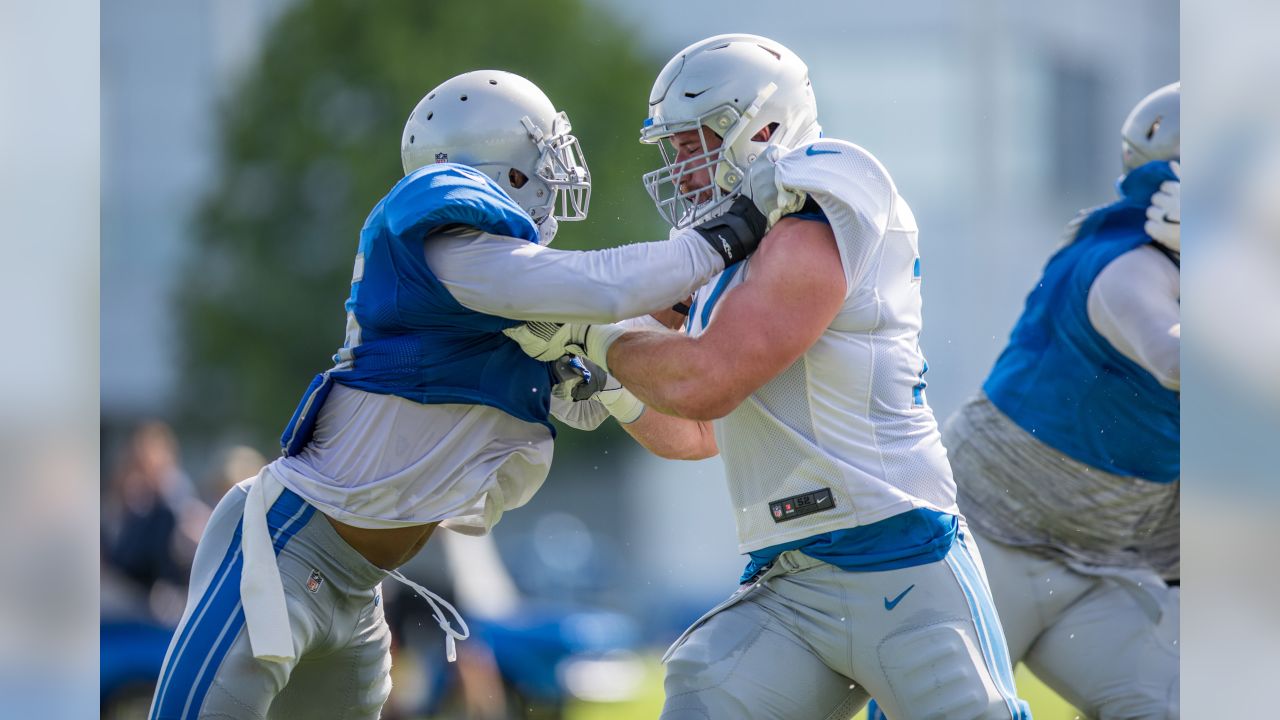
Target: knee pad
[(938, 672)]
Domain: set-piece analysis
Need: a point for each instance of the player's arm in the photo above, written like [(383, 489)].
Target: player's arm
[(579, 415), (674, 317), (1134, 304), (794, 289), (673, 438), (521, 280), (663, 435)]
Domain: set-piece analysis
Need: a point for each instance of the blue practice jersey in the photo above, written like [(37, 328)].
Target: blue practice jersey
[(1061, 381), (406, 335)]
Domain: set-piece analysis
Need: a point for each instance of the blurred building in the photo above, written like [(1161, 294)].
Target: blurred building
[(165, 67)]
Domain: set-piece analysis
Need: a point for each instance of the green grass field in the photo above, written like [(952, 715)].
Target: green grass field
[(1045, 704)]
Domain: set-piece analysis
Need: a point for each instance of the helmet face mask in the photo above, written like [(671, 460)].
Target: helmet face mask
[(562, 168), (504, 126), (686, 191), (730, 86)]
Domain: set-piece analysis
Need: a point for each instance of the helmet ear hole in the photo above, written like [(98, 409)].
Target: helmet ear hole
[(765, 133), (517, 178)]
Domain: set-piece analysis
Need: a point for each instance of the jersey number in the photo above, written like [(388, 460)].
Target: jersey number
[(917, 390), (352, 339)]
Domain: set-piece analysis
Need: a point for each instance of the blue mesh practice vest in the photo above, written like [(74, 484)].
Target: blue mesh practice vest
[(406, 335), (1063, 382)]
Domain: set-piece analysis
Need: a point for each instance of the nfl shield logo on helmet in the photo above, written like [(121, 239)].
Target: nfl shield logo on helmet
[(315, 581), (442, 157)]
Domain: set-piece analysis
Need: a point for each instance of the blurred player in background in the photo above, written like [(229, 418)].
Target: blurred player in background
[(801, 366), (1067, 461), (430, 416)]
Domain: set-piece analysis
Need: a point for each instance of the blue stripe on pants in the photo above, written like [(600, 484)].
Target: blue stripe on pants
[(218, 617), (202, 607), (991, 638)]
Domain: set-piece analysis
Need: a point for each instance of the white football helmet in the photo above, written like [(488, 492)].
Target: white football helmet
[(733, 86), (1152, 130), (504, 126)]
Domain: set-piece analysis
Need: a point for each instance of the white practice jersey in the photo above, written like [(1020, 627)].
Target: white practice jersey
[(381, 461), (850, 415)]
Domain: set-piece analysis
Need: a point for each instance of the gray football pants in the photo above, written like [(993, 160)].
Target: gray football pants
[(334, 601), (1087, 637), (811, 641)]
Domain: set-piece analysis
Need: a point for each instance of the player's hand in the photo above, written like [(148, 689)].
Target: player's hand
[(1164, 215), (736, 233), (548, 341), (771, 199), (577, 379)]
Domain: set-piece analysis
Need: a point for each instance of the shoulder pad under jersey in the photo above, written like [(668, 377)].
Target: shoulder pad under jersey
[(451, 194)]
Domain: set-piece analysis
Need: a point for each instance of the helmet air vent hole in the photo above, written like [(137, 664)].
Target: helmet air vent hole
[(493, 82), (719, 47), (1151, 131), (776, 55), (432, 95), (410, 139), (431, 114), (464, 98)]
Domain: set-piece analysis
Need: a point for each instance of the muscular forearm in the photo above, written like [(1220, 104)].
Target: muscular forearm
[(672, 437), (673, 373)]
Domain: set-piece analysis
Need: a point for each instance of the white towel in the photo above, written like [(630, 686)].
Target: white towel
[(261, 591)]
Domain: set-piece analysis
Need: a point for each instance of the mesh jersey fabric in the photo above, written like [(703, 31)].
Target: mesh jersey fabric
[(850, 414)]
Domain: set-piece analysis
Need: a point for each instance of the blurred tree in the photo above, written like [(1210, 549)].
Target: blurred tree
[(310, 141)]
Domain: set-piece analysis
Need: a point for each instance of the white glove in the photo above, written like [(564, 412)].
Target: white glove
[(771, 199), (547, 341), (1164, 215), (620, 402)]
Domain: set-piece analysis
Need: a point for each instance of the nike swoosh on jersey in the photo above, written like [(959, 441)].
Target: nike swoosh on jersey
[(891, 604)]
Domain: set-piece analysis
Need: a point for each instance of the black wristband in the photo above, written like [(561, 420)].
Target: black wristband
[(736, 233), (681, 308)]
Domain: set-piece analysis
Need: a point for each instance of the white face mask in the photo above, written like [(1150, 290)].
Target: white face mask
[(547, 228)]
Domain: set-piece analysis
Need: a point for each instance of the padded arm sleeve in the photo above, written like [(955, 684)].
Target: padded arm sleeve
[(584, 415), (1133, 303), (521, 280)]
